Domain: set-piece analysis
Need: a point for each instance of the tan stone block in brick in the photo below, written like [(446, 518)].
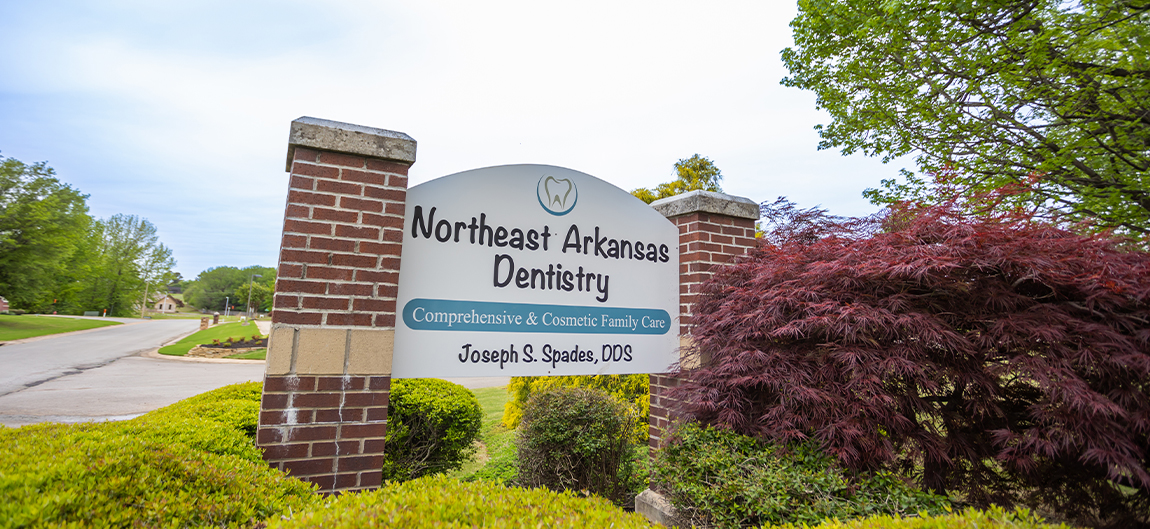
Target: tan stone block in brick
[(371, 351), (321, 351), (279, 350)]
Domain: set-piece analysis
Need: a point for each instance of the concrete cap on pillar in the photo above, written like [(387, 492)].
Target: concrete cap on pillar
[(707, 202), (327, 135)]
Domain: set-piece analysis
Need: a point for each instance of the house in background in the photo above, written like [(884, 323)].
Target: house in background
[(168, 304), (3, 305)]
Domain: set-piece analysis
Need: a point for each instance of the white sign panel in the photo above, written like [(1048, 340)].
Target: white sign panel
[(529, 270)]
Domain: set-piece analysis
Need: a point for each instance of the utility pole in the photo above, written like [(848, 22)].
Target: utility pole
[(144, 304), (250, 283), (226, 306)]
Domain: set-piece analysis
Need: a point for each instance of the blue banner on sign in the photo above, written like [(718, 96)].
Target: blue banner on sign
[(487, 316)]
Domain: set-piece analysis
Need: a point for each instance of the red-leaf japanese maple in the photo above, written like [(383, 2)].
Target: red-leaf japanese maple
[(996, 358)]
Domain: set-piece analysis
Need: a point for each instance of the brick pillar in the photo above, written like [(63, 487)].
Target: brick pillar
[(324, 410), (713, 229)]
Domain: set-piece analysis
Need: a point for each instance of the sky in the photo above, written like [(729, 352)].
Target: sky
[(179, 112)]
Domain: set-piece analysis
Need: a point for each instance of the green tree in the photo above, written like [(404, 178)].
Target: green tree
[(124, 260), (1035, 104), (218, 284), (42, 221), (694, 173)]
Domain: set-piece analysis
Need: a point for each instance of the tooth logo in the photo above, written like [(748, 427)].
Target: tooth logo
[(557, 195)]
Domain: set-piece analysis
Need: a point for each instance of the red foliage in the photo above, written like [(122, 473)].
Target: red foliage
[(991, 356)]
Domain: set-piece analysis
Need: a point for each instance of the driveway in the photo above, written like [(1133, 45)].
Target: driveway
[(102, 374)]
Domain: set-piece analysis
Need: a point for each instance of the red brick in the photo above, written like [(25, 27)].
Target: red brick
[(357, 463), (338, 187), (308, 467), (375, 248), (341, 383), (365, 399), (307, 287), (377, 414), (335, 215), (359, 320), (379, 383), (360, 204), (325, 243), (299, 226), (314, 170), (393, 236), (290, 451), (387, 291), (375, 164), (303, 153), (281, 417), (303, 256), (324, 482), (358, 261), (335, 448), (385, 320), (300, 182), (373, 446), (375, 276), (389, 263), (349, 289), (267, 436), (339, 415), (289, 383), (371, 479), (283, 301), (374, 305), (363, 177), (297, 318), (289, 271), (324, 272), (395, 195), (317, 400), (375, 429), (395, 208), (342, 230), (345, 481), (293, 241), (312, 199), (325, 303), (272, 401), (345, 160), (397, 181)]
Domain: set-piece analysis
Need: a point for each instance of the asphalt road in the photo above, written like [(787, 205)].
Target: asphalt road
[(101, 374)]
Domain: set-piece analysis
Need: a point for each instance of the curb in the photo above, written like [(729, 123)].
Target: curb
[(155, 353)]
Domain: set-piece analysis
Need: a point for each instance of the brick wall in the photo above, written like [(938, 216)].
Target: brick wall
[(713, 229), (323, 416)]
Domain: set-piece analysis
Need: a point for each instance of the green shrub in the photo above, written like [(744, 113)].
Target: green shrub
[(993, 518), (577, 439), (633, 389), (222, 421), (432, 425), (718, 477), (121, 475), (443, 502)]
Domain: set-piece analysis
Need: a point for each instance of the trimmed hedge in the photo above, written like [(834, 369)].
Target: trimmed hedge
[(438, 501), (718, 477), (578, 439), (166, 468), (432, 426), (993, 518), (632, 389)]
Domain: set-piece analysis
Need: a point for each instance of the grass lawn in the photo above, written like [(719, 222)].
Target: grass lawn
[(218, 332), (495, 460), (27, 326), (258, 354)]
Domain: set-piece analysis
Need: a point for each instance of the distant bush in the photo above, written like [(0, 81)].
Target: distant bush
[(442, 502), (718, 477), (188, 465), (992, 518), (577, 439), (432, 425), (633, 389)]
